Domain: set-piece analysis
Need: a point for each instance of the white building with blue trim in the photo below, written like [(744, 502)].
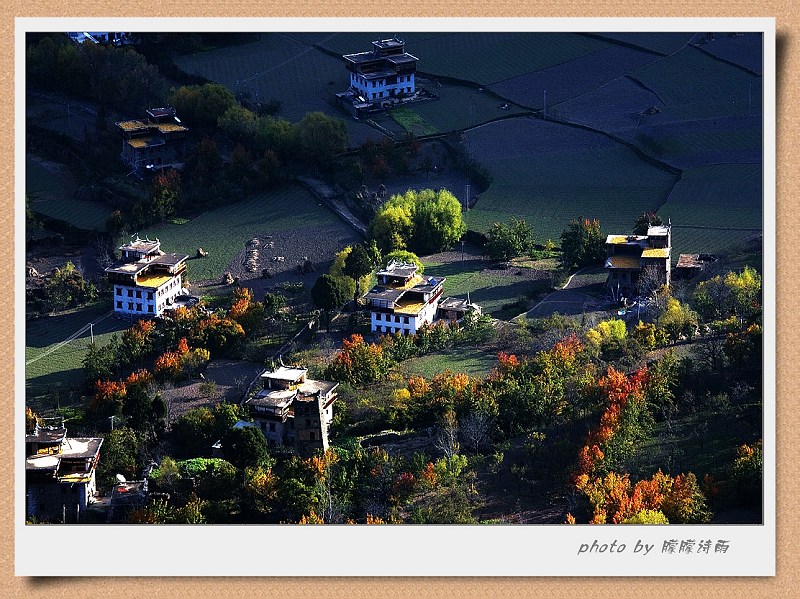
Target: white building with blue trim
[(387, 71)]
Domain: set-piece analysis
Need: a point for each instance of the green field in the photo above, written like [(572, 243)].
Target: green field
[(475, 362), (62, 368), (52, 195), (662, 42), (611, 184), (694, 85), (485, 57), (495, 291), (223, 232), (412, 122)]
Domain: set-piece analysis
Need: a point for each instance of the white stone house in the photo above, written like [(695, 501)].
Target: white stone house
[(386, 71), (148, 280)]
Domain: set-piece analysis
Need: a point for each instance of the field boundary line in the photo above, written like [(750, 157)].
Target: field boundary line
[(69, 339)]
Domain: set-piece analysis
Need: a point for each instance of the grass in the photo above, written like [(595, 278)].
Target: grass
[(412, 122), (549, 174), (223, 232), (475, 362), (496, 292), (52, 195), (63, 368)]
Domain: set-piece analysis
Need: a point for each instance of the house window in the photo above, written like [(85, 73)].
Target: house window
[(139, 307), (397, 318), (119, 305), (149, 295), (308, 421), (130, 305), (119, 291), (149, 308), (130, 293)]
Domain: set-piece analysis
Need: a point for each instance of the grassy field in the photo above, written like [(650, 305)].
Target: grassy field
[(694, 85), (62, 368), (496, 291), (412, 122), (315, 231), (52, 194), (549, 174), (476, 362)]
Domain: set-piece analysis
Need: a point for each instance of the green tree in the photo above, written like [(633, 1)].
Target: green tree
[(391, 228), (193, 431), (118, 455), (321, 138), (678, 320), (245, 446), (509, 241), (67, 287), (647, 517), (358, 265), (273, 304), (202, 105), (582, 243), (328, 294), (238, 123)]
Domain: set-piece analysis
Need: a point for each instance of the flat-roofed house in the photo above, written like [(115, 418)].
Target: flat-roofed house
[(402, 301), (148, 280), (293, 410), (154, 142), (59, 474), (628, 255), (386, 71)]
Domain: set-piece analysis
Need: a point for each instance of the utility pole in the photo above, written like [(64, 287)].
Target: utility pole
[(544, 110), (91, 331)]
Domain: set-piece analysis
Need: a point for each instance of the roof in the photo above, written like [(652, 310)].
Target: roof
[(171, 127), (141, 245), (154, 281), (384, 293), (658, 230), (412, 309), (285, 374), (656, 253), (133, 125), (145, 142), (398, 269), (312, 386), (157, 113), (47, 435), (454, 303), (81, 447), (130, 268), (689, 261), (623, 262), (626, 239), (276, 399), (43, 462), (169, 259)]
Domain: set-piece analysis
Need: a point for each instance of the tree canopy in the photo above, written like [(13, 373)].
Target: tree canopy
[(423, 222), (582, 243)]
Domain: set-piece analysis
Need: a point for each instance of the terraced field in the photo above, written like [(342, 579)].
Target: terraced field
[(722, 203), (300, 225), (661, 42), (51, 189), (744, 49), (694, 85), (550, 173), (574, 78)]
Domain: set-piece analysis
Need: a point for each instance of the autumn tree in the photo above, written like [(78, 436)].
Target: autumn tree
[(66, 287), (646, 220), (357, 362)]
